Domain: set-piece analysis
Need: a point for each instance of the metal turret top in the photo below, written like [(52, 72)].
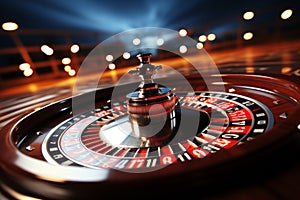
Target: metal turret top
[(145, 70)]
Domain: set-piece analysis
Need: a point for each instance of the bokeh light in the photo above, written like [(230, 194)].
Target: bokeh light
[(74, 48), (10, 26), (67, 68), (202, 38), (286, 14), (136, 41), (24, 66), (199, 45), (160, 42), (66, 61), (211, 37), (248, 15), (112, 66), (182, 32), (28, 72), (109, 58), (47, 50), (248, 36), (183, 49), (72, 72), (126, 55)]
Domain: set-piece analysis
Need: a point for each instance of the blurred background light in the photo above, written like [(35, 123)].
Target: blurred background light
[(28, 72), (286, 14), (72, 72), (109, 58), (74, 48), (126, 55), (47, 50), (10, 26), (66, 28), (160, 42), (202, 38), (67, 68), (183, 49), (211, 37), (248, 15), (66, 61), (24, 66), (182, 32), (136, 41), (112, 66), (199, 45), (248, 36)]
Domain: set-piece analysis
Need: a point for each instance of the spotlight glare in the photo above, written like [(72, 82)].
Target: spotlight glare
[(10, 26), (286, 14)]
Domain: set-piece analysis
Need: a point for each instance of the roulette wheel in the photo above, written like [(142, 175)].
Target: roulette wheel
[(151, 140)]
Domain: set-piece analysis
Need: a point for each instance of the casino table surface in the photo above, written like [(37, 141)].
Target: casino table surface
[(273, 174)]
